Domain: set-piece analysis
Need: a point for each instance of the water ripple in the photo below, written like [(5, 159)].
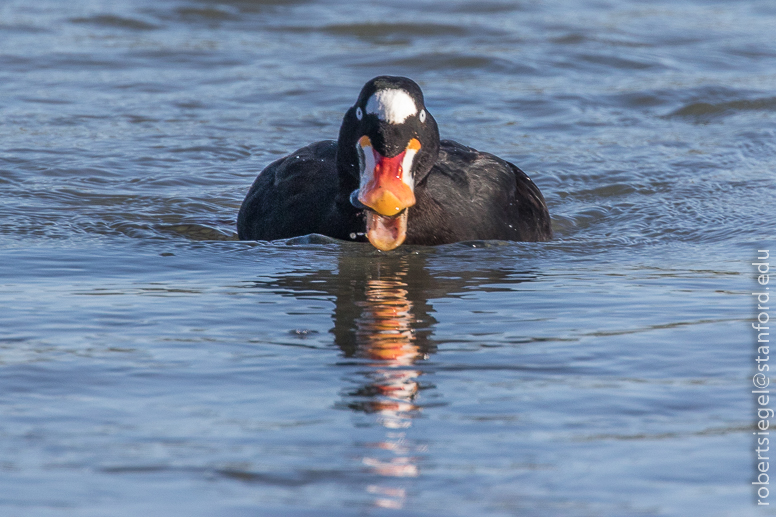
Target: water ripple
[(115, 22)]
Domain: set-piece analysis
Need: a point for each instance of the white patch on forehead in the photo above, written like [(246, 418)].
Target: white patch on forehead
[(391, 105)]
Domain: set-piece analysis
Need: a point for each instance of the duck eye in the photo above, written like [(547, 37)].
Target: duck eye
[(359, 113), (422, 115)]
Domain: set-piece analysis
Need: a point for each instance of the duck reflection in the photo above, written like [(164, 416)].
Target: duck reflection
[(384, 331), (386, 340), (385, 336), (383, 323)]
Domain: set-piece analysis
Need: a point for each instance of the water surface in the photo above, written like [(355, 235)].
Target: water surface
[(151, 364)]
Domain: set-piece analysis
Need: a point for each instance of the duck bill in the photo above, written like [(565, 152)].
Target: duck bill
[(386, 233), (387, 189)]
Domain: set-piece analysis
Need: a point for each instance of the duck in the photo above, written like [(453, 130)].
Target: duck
[(388, 179)]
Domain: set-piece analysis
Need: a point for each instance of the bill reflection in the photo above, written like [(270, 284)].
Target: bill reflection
[(383, 324), (385, 338)]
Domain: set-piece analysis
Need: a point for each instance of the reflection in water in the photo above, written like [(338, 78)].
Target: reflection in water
[(384, 329), (383, 321), (385, 336)]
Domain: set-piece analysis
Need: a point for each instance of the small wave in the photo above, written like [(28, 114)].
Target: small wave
[(384, 33), (707, 111), (206, 14), (488, 7), (446, 62), (376, 31), (197, 232), (297, 479), (577, 38), (255, 6), (574, 38), (115, 22), (618, 62), (22, 29), (313, 238)]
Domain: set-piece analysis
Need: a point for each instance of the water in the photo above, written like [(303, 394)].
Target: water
[(150, 364)]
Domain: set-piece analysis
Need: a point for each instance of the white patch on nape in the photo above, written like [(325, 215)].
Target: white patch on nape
[(391, 105)]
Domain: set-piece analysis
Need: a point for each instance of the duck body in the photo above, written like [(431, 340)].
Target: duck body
[(390, 180), (472, 195), (299, 195)]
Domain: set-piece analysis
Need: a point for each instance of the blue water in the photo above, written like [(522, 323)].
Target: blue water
[(151, 364)]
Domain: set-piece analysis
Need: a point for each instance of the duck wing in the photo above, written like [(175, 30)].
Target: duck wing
[(473, 195), (298, 195)]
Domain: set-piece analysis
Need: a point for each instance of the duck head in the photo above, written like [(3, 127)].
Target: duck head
[(388, 143)]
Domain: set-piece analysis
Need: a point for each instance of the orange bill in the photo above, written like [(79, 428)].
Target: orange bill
[(385, 232), (388, 188)]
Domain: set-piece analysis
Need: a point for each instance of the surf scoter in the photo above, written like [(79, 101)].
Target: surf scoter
[(389, 177)]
